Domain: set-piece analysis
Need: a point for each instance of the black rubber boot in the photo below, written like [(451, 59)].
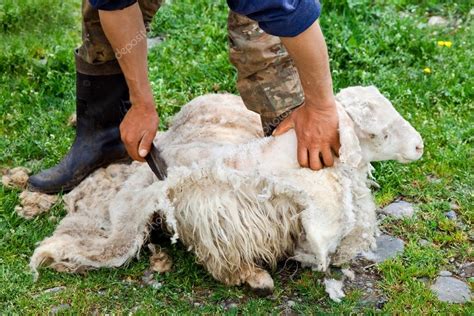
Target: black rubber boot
[(101, 105)]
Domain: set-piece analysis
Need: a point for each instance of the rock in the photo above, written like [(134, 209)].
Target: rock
[(148, 277), (451, 215), (59, 309), (454, 206), (423, 242), (55, 289), (437, 21), (155, 284), (348, 273), (452, 290), (154, 41), (445, 273), (15, 178), (467, 270), (134, 309), (291, 303), (400, 209), (334, 289), (101, 292), (424, 280), (228, 304), (232, 305), (387, 247), (433, 179)]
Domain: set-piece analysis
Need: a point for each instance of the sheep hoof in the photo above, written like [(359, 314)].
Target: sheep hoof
[(260, 282), (160, 261)]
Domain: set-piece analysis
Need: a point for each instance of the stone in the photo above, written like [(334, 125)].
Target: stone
[(60, 309), (154, 41), (424, 280), (445, 273), (467, 270), (424, 242), (155, 284), (55, 289), (452, 290), (451, 215), (348, 273), (232, 305), (437, 21), (291, 303), (387, 247), (399, 209), (433, 179), (148, 277), (454, 206)]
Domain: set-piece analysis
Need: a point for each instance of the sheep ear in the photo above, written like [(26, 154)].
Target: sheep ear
[(350, 152)]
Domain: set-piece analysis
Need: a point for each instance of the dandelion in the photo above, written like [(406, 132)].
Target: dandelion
[(427, 70)]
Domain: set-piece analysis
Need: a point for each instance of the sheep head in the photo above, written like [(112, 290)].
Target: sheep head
[(382, 132)]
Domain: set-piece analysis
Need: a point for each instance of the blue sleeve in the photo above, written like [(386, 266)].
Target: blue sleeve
[(111, 5), (286, 18)]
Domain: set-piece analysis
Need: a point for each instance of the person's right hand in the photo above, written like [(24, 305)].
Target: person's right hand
[(316, 128), (138, 129)]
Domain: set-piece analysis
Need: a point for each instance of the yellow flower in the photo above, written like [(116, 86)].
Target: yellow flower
[(445, 43), (427, 70)]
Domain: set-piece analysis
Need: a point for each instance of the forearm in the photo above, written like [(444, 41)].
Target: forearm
[(126, 33), (310, 55)]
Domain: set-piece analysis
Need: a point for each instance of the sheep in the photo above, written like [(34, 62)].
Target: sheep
[(237, 200)]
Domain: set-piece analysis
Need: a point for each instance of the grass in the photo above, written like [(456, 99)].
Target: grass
[(380, 42)]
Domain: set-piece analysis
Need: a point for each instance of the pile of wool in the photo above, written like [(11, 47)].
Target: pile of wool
[(31, 203)]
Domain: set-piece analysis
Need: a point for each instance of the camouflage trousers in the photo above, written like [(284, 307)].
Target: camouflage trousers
[(267, 79)]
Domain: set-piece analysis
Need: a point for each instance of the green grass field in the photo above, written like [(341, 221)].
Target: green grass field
[(381, 42)]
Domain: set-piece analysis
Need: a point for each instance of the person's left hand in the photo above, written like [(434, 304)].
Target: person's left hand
[(317, 133)]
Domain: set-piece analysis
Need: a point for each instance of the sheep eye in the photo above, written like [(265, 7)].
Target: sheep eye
[(372, 136), (385, 137)]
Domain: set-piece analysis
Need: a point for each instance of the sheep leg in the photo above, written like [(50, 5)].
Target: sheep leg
[(259, 280)]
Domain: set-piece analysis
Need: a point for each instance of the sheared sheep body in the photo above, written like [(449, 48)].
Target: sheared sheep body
[(238, 200)]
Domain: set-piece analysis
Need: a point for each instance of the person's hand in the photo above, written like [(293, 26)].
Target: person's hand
[(317, 134), (138, 129)]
